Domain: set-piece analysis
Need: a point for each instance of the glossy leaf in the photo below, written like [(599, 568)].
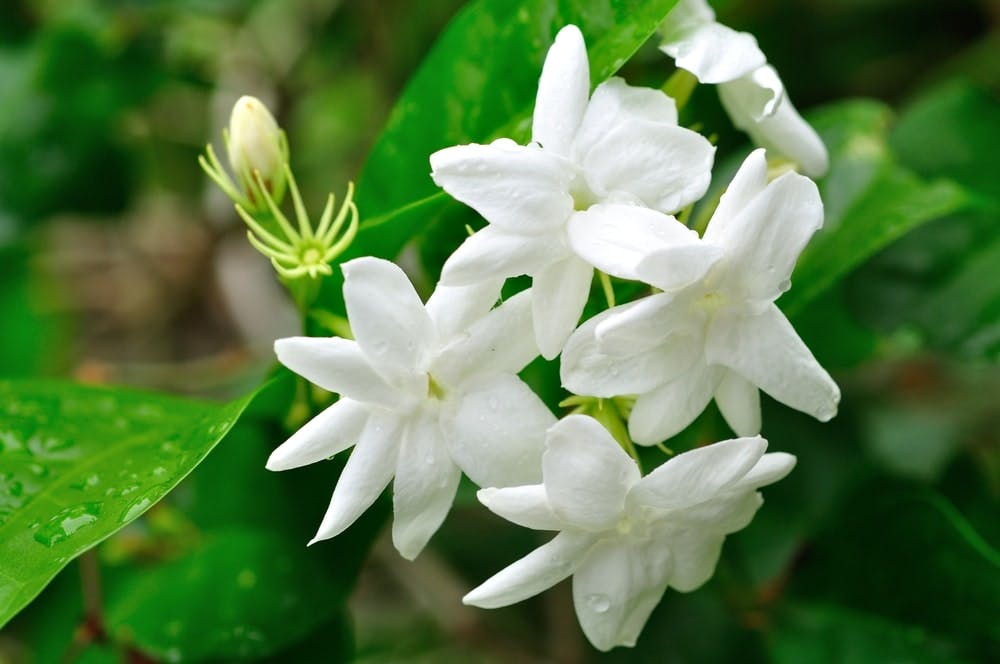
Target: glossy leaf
[(78, 463), (478, 83), (264, 597)]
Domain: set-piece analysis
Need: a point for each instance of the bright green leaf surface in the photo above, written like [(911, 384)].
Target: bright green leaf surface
[(478, 83), (78, 463), (264, 597)]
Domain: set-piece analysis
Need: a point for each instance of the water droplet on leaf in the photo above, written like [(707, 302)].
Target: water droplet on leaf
[(67, 522)]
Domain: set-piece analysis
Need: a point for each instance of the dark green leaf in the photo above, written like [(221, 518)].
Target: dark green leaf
[(908, 555), (820, 634), (870, 201), (264, 597), (78, 463)]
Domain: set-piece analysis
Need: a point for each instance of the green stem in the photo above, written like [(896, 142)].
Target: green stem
[(680, 85)]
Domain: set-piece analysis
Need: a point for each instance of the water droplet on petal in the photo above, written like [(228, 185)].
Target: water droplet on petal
[(598, 602)]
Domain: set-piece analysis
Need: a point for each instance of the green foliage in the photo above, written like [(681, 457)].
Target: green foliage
[(80, 463), (264, 597), (871, 201)]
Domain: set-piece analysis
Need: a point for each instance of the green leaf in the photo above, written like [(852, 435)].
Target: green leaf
[(871, 201), (479, 83), (909, 556), (78, 463), (952, 131), (264, 597), (821, 633)]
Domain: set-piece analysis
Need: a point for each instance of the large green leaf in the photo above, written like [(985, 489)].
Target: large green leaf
[(478, 83), (78, 463), (870, 200)]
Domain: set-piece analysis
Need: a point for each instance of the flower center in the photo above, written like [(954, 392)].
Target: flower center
[(582, 195), (434, 389), (711, 302)]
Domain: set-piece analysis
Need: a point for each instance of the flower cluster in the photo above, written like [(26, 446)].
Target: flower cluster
[(431, 390)]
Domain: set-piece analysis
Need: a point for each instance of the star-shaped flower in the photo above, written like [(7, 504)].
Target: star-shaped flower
[(626, 538), (721, 337), (622, 145), (750, 90), (426, 392)]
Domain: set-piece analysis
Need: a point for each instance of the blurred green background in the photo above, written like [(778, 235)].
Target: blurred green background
[(121, 264)]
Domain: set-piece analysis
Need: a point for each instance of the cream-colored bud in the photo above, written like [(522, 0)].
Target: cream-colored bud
[(256, 145)]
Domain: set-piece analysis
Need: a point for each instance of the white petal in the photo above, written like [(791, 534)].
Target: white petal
[(587, 473), (739, 402), (454, 308), (425, 485), (766, 350), (695, 555), (614, 103), (749, 181), (783, 131), (368, 471), (648, 322), (332, 431), (521, 189), (338, 365), (526, 506), (560, 293), (495, 428), (386, 314), (539, 570), (698, 475), (731, 511), (709, 50), (660, 166), (502, 341), (618, 238), (562, 91), (765, 239), (668, 409), (586, 369), (616, 588), (754, 96), (772, 467), (494, 254)]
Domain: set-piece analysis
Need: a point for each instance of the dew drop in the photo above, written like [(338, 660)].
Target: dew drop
[(598, 602), (135, 508), (67, 523)]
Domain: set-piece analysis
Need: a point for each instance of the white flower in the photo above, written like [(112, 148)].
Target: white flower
[(425, 391), (623, 145), (750, 89), (722, 336), (626, 538)]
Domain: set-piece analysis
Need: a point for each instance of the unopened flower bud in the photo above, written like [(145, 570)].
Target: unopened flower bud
[(257, 146)]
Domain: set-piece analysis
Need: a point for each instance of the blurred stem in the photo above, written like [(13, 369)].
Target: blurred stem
[(90, 579), (680, 85)]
